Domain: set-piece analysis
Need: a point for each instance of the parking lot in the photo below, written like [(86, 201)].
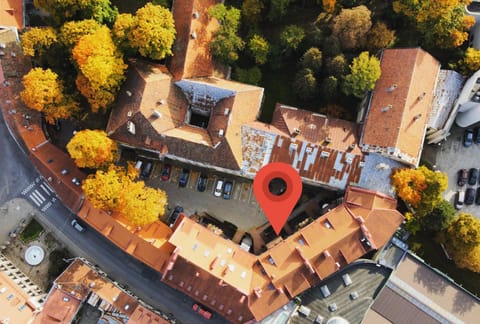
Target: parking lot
[(450, 157)]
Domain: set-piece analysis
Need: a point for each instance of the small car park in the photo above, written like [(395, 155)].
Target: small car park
[(167, 169), (460, 199), (217, 192), (227, 190), (202, 182), (76, 225), (462, 177), (182, 182), (202, 311), (472, 176), (176, 212), (468, 137), (469, 196)]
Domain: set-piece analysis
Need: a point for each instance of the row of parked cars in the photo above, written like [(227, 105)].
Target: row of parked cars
[(468, 196)]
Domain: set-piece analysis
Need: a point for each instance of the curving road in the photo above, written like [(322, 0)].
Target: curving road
[(20, 179)]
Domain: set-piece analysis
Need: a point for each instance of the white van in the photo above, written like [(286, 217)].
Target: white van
[(460, 199)]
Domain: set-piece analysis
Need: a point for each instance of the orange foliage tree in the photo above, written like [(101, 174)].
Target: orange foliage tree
[(36, 40), (117, 190), (44, 92), (409, 184), (92, 149)]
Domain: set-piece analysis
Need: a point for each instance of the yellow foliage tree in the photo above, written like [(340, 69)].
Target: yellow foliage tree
[(116, 190), (101, 68), (92, 149), (36, 40), (72, 31), (43, 91), (471, 61), (409, 184), (329, 5)]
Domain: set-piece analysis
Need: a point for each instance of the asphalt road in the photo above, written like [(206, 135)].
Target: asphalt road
[(18, 174)]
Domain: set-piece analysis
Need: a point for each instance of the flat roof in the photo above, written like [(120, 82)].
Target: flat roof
[(14, 303)]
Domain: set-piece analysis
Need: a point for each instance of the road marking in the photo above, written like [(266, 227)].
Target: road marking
[(40, 195), (28, 188), (48, 205), (46, 188), (35, 200)]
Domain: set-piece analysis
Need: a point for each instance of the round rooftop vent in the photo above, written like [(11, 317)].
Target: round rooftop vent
[(34, 255)]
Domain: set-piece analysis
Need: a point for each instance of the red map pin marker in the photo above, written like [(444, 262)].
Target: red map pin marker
[(277, 187)]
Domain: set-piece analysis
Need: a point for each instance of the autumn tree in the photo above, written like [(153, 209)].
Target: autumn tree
[(471, 61), (252, 12), (92, 149), (364, 72), (379, 36), (305, 84), (121, 30), (72, 31), (258, 48), (44, 92), (291, 37), (442, 23), (336, 66), (101, 68), (116, 190), (329, 5), (351, 26), (226, 43), (462, 240), (312, 59), (439, 218), (35, 41), (66, 10)]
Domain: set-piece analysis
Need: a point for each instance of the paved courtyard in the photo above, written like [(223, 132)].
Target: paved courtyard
[(451, 156)]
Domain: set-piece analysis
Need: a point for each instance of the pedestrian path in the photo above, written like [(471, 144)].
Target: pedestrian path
[(40, 193)]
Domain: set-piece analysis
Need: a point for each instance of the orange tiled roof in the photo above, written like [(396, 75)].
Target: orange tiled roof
[(401, 104), (195, 29), (206, 266), (9, 307), (11, 13)]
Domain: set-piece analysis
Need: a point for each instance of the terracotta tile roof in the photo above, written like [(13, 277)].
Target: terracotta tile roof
[(206, 266), (60, 307), (11, 13), (142, 315), (401, 104), (158, 108), (195, 29), (323, 150)]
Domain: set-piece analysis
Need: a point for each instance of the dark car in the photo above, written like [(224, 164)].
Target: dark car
[(166, 172), (469, 196), (146, 170), (462, 177), (477, 136), (182, 182), (477, 197), (202, 182), (468, 137), (227, 190), (174, 216), (472, 176)]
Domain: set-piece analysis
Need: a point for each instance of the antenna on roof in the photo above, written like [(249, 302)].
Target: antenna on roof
[(156, 114), (386, 108), (296, 131), (193, 35), (196, 15), (392, 87)]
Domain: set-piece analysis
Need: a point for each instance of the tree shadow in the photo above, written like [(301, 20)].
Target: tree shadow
[(431, 281), (463, 303)]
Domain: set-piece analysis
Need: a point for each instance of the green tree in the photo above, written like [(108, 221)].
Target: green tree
[(66, 10), (439, 218), (252, 12), (122, 27), (471, 61), (443, 23), (153, 33), (329, 88), (278, 9), (462, 240), (258, 48), (44, 92), (72, 31), (336, 66), (379, 36), (291, 37), (312, 59), (92, 149), (35, 41), (305, 84), (364, 72), (226, 43), (249, 76), (351, 26)]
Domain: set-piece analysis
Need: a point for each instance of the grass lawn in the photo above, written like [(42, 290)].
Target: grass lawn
[(31, 232), (433, 254)]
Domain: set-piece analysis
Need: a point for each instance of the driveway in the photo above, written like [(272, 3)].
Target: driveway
[(451, 156)]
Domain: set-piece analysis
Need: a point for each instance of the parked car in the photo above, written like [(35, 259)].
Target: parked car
[(202, 311), (460, 199), (477, 135), (182, 182), (146, 170), (76, 225), (468, 137), (202, 182), (218, 188), (173, 218), (227, 190), (167, 168), (472, 176), (477, 197), (76, 181), (469, 196), (462, 177)]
